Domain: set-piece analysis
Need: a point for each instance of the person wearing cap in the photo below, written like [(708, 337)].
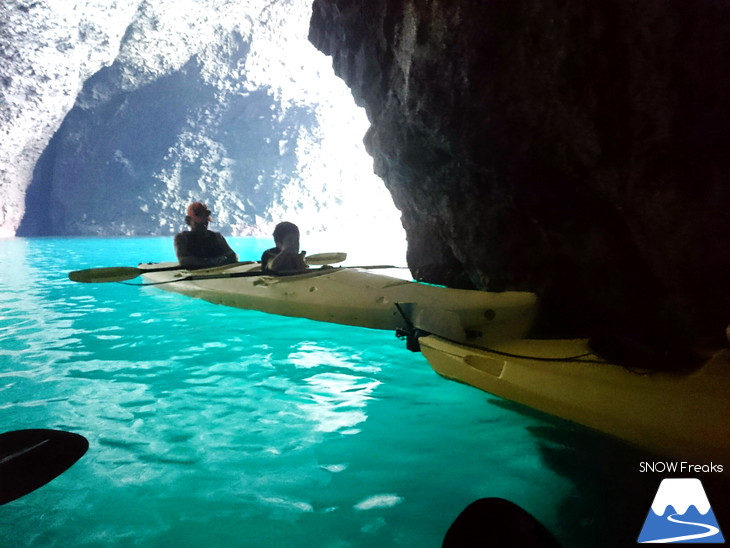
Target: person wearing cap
[(286, 255), (200, 247)]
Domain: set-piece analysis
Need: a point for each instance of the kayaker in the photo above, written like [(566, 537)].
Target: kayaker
[(286, 255), (200, 247)]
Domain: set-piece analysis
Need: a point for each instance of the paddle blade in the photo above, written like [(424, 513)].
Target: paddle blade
[(31, 458), (497, 522), (325, 258), (106, 274)]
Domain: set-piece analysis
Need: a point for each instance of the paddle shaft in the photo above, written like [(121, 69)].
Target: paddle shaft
[(195, 277), (123, 273), (259, 274), (119, 273)]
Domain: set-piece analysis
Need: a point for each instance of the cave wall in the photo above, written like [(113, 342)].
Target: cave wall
[(115, 116), (47, 50), (572, 148), (134, 151)]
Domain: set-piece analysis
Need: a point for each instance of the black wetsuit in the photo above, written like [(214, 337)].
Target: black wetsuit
[(201, 249), (205, 245)]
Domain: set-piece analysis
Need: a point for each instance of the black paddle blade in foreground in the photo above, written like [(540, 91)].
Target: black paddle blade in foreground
[(31, 458), (497, 523)]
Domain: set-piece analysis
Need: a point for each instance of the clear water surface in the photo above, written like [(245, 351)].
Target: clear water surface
[(213, 426)]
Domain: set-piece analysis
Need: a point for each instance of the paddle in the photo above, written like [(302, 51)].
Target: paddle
[(497, 522), (258, 273), (31, 458), (113, 273), (118, 275), (325, 258), (123, 273)]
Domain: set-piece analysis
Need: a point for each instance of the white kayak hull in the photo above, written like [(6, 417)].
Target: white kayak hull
[(360, 298)]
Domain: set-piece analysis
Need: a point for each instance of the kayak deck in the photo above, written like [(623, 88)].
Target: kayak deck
[(684, 415), (358, 297)]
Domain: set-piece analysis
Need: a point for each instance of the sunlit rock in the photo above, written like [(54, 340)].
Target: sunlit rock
[(171, 101), (47, 50)]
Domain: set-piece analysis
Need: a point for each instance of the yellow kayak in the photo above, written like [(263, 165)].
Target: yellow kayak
[(358, 297), (683, 415)]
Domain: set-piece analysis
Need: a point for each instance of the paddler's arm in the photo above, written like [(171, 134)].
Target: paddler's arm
[(228, 255), (285, 260), (289, 258)]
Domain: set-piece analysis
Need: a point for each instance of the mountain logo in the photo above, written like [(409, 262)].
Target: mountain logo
[(681, 512)]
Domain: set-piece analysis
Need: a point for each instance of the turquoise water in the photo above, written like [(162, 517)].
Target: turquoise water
[(212, 426)]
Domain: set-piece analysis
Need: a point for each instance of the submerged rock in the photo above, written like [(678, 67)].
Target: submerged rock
[(569, 148)]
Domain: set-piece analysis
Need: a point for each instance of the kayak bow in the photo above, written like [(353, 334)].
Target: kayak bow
[(685, 415), (358, 297)]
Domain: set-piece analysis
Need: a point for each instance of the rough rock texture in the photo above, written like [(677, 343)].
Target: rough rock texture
[(573, 148), (169, 101), (47, 50)]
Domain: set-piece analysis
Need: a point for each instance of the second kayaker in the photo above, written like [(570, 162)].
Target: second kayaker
[(200, 247), (286, 255)]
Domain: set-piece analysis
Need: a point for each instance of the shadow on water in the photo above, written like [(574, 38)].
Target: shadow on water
[(614, 485), (205, 421)]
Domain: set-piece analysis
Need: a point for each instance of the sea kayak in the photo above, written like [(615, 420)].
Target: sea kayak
[(358, 297), (683, 415)]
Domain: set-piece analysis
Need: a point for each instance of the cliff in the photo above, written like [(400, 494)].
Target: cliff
[(569, 148), (566, 148), (45, 55), (116, 116)]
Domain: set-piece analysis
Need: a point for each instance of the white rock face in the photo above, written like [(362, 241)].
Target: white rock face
[(47, 49), (254, 121)]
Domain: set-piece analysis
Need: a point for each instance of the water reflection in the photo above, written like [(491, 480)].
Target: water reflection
[(203, 419), (610, 495)]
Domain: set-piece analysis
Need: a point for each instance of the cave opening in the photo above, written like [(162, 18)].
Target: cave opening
[(250, 119)]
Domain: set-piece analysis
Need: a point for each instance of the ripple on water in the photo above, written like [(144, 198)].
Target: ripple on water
[(123, 443), (385, 500), (287, 504), (204, 420)]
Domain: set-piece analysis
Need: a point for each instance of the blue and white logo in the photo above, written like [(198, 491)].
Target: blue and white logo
[(681, 512)]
